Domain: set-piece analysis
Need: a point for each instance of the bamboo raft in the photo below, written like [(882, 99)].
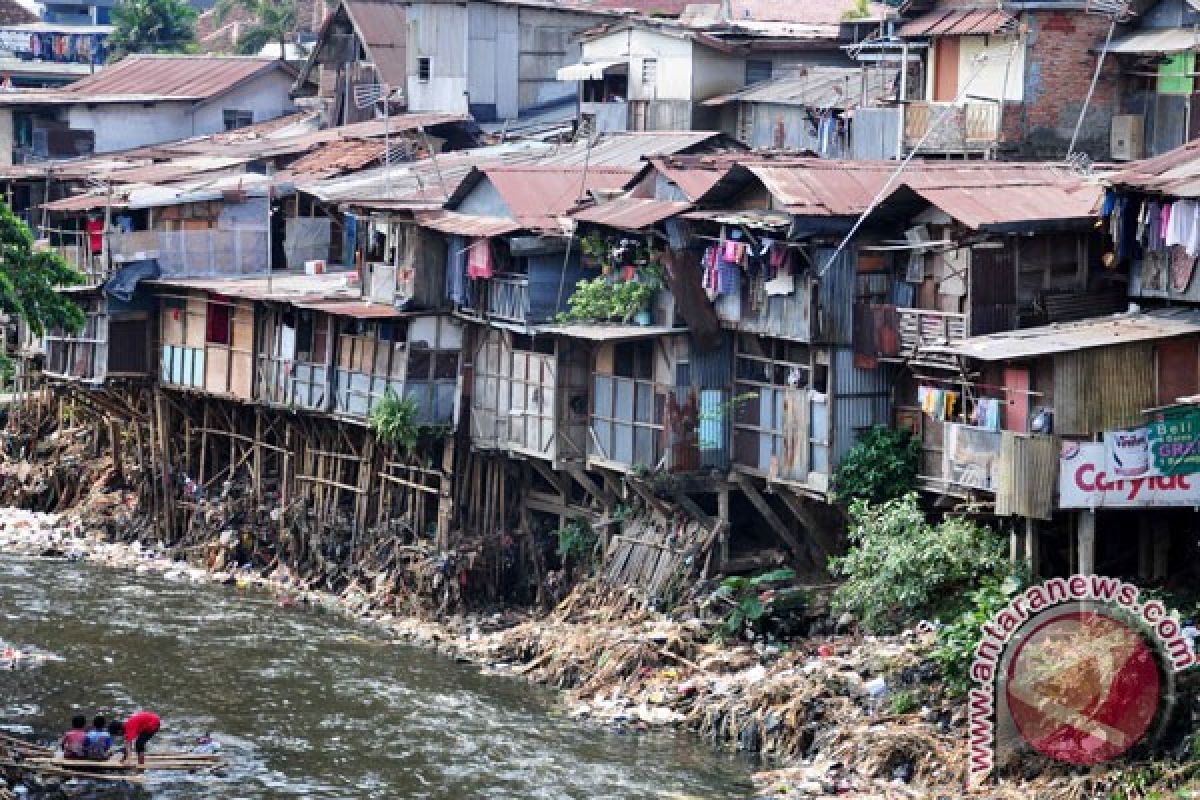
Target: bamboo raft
[(17, 754)]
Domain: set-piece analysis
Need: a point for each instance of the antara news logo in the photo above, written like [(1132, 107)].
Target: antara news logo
[(1079, 669)]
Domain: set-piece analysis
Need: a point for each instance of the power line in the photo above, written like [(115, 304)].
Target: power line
[(982, 60)]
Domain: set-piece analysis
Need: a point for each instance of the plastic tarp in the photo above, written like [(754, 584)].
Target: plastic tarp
[(124, 283)]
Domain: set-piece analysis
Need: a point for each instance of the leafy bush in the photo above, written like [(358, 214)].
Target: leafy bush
[(600, 300), (881, 466), (576, 542), (742, 596), (901, 568), (394, 421), (958, 639)]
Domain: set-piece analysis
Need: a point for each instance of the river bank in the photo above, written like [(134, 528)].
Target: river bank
[(837, 715)]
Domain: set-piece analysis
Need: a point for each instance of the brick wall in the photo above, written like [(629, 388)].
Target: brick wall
[(1059, 64)]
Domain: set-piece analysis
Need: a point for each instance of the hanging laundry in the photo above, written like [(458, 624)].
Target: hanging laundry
[(479, 259), (950, 402)]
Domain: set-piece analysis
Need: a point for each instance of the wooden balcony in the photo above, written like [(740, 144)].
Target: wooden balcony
[(889, 333), (503, 297), (969, 128)]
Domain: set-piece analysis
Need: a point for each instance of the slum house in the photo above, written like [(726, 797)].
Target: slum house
[(982, 82), (811, 110), (642, 74), (145, 99), (1155, 61), (493, 59), (1015, 250), (1107, 449), (361, 44)]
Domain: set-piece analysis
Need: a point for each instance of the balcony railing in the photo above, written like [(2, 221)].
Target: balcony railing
[(922, 331), (965, 128), (503, 297)]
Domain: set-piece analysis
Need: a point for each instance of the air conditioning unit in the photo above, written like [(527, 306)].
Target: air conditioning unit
[(1128, 133)]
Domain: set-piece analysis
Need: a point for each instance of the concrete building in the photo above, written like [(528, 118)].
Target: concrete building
[(143, 100), (496, 59)]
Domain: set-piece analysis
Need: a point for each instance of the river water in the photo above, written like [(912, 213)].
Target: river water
[(309, 704)]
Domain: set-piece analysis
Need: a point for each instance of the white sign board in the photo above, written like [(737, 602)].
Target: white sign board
[(1085, 481)]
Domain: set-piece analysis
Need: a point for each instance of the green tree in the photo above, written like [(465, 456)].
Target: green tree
[(152, 26), (881, 466), (274, 21), (29, 279), (900, 569)]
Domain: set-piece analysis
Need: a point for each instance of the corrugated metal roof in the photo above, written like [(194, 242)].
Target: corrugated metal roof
[(694, 180), (85, 202), (337, 158), (631, 149), (818, 87), (630, 213), (607, 333), (381, 24), (419, 182), (982, 207), (823, 187), (465, 224), (959, 22), (168, 77), (1175, 173), (1065, 337), (1164, 40), (538, 195), (813, 12), (285, 287), (343, 308)]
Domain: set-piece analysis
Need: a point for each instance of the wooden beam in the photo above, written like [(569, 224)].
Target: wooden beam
[(816, 531), (769, 515), (648, 497), (606, 499), (551, 477)]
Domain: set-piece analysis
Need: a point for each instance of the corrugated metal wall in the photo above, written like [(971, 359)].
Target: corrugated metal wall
[(835, 298), (1103, 388), (1028, 475), (552, 279), (875, 133), (711, 376), (861, 398)]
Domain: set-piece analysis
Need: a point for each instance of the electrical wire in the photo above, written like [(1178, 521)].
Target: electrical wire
[(982, 58)]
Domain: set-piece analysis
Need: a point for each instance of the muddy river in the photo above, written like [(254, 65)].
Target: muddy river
[(309, 704)]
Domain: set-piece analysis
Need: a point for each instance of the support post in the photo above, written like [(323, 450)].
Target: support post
[(1145, 549), (1086, 538), (446, 495), (1162, 555)]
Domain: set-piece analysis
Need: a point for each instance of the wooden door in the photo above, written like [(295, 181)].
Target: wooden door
[(1016, 400), (1178, 370), (945, 70)]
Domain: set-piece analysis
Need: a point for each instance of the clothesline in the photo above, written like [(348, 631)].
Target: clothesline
[(974, 385)]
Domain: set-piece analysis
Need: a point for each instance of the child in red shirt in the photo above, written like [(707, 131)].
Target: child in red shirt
[(140, 729)]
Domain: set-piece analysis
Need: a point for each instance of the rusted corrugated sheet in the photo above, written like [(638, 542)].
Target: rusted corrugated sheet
[(1102, 389), (177, 77), (824, 187), (1175, 173), (630, 213), (959, 22), (1028, 474), (537, 196), (860, 399), (336, 158), (835, 307), (355, 310), (982, 207), (381, 24), (465, 224), (633, 148)]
